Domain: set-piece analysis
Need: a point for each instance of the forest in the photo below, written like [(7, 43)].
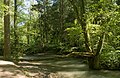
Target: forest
[(84, 30)]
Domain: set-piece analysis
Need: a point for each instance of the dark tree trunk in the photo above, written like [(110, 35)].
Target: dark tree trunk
[(15, 23), (6, 32), (61, 19)]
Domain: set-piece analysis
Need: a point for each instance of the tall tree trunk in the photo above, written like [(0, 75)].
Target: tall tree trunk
[(28, 30), (82, 21), (7, 32), (15, 23), (28, 26), (45, 32), (61, 19)]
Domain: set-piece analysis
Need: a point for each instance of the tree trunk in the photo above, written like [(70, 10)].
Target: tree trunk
[(84, 26), (15, 23), (61, 19), (6, 32), (28, 30), (93, 61)]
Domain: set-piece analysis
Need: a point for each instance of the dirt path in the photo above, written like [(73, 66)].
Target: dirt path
[(52, 66)]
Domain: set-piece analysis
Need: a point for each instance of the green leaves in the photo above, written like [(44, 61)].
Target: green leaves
[(101, 0), (75, 21)]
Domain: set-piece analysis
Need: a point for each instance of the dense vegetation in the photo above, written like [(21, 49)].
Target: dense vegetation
[(66, 27)]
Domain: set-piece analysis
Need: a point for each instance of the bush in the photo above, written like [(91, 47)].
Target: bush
[(110, 58)]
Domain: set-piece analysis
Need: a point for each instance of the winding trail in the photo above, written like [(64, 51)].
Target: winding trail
[(53, 66)]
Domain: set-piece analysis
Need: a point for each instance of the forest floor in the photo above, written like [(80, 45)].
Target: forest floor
[(51, 66)]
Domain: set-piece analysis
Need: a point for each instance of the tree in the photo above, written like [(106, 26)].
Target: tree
[(7, 31), (80, 14), (61, 16), (15, 23)]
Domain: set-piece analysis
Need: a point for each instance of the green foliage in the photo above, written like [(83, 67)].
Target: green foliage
[(18, 51), (46, 28), (1, 22), (111, 59), (101, 16)]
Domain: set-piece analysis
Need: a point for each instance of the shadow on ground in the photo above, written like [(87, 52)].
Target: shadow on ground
[(10, 70), (53, 66)]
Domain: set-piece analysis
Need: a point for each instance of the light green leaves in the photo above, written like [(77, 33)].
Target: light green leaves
[(101, 0), (75, 21)]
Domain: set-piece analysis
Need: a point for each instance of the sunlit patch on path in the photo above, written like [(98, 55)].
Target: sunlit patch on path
[(6, 63), (51, 66), (10, 70)]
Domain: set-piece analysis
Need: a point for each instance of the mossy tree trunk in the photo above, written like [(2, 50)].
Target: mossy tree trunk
[(80, 14), (94, 61)]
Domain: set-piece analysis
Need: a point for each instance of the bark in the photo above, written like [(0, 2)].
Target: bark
[(6, 32), (28, 29), (84, 27), (45, 34), (94, 61), (61, 20), (15, 23)]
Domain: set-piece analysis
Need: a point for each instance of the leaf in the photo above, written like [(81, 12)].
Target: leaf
[(110, 33), (101, 0), (75, 21)]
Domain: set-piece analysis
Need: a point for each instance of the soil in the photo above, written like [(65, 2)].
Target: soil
[(51, 66)]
